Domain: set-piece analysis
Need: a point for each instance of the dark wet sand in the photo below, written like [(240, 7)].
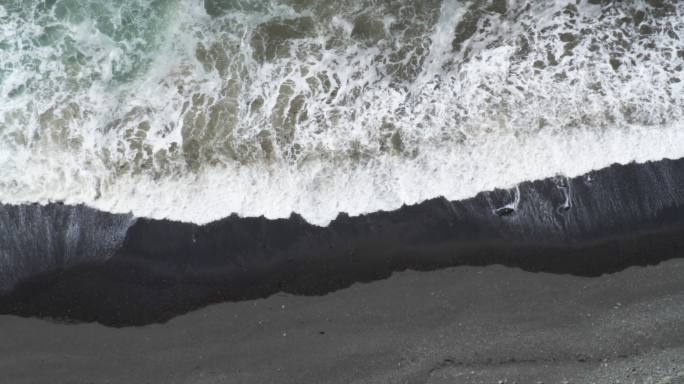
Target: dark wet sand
[(582, 283), (456, 325), (76, 263)]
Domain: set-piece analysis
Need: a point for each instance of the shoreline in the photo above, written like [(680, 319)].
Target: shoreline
[(149, 271)]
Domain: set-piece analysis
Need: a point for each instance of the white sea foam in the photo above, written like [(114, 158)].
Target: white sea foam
[(272, 109)]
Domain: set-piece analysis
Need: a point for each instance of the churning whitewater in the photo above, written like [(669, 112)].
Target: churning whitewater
[(193, 110)]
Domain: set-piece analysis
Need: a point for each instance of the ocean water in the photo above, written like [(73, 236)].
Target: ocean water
[(193, 110)]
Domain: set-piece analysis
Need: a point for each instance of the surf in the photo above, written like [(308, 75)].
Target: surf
[(192, 111)]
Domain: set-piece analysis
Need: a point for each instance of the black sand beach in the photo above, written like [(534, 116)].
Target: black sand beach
[(79, 264), (579, 281), (305, 191), (456, 325)]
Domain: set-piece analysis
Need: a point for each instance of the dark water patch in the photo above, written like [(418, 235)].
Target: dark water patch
[(37, 239), (271, 39)]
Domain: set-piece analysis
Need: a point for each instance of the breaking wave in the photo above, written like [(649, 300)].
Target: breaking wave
[(192, 110)]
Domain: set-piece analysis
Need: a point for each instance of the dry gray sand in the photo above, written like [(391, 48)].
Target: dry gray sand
[(456, 325)]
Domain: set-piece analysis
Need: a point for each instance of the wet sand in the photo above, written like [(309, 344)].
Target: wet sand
[(76, 263), (456, 325), (582, 281)]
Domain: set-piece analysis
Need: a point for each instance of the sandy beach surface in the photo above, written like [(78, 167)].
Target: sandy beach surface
[(440, 292), (353, 192), (456, 325)]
